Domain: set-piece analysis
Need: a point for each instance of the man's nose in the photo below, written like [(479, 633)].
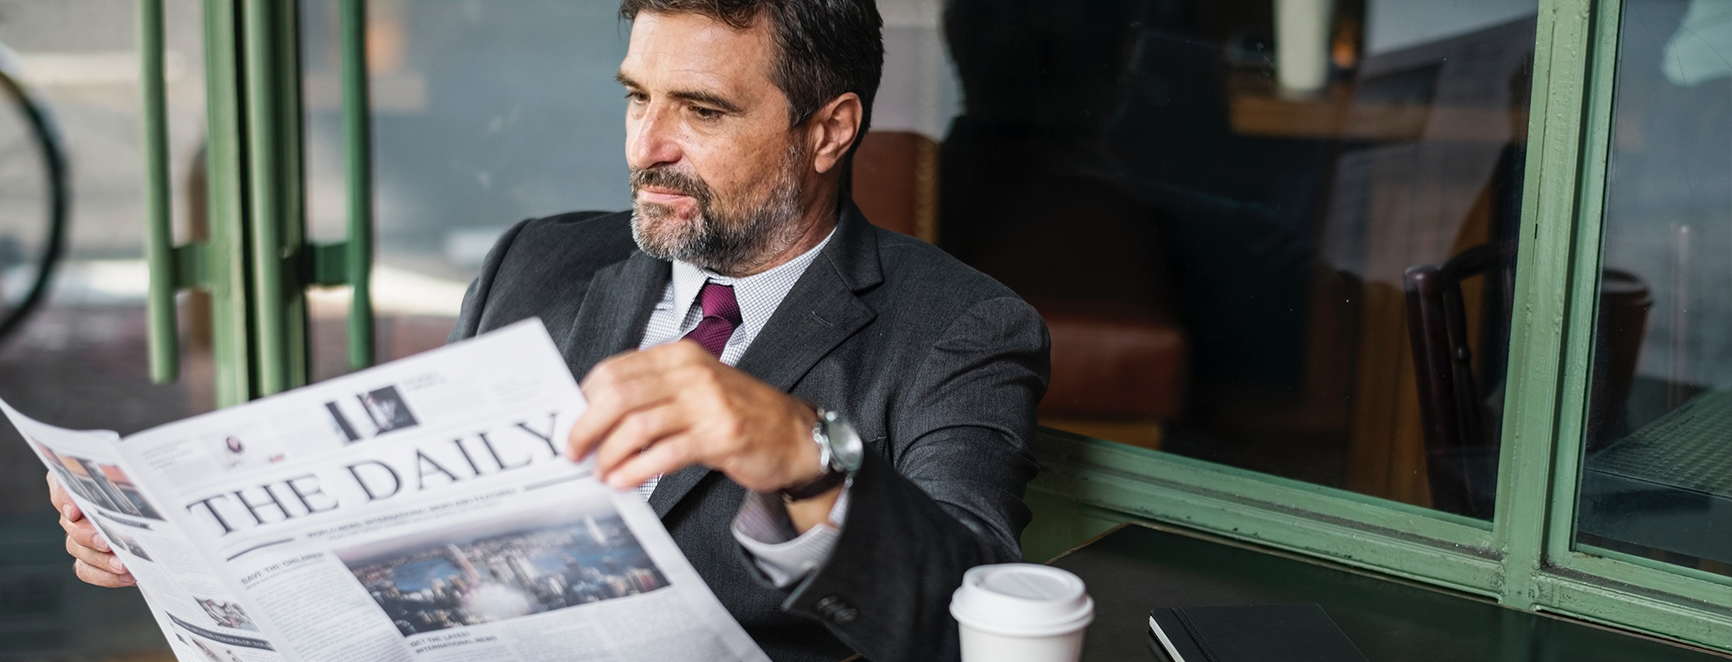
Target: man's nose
[(650, 140)]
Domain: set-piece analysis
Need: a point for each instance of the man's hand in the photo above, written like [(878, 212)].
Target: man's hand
[(660, 410), (95, 563)]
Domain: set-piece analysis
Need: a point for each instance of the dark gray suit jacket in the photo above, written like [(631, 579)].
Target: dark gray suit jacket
[(938, 366)]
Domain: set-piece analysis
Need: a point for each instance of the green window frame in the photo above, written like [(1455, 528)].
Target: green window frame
[(1526, 557), (258, 264)]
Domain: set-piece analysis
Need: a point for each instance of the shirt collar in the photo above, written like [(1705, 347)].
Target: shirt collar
[(758, 295)]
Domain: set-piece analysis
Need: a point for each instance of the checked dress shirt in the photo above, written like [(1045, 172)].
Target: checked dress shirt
[(762, 526)]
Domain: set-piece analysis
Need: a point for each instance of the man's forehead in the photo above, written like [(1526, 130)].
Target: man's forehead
[(692, 50)]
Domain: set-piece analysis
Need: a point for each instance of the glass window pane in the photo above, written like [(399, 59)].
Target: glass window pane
[(80, 359), (1657, 480), (1277, 235), (484, 114)]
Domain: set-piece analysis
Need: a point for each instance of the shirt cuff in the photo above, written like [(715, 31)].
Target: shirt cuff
[(764, 530)]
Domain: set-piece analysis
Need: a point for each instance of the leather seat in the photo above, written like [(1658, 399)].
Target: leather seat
[(1114, 368), (895, 182)]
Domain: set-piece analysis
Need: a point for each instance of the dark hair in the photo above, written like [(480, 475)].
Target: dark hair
[(825, 48)]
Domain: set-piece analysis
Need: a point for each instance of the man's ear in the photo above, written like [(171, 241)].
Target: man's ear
[(833, 129)]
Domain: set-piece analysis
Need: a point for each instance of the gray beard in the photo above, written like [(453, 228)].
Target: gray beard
[(731, 242)]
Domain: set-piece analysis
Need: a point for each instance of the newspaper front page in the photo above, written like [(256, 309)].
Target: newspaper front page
[(417, 511)]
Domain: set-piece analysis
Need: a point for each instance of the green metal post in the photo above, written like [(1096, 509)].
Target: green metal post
[(1581, 323), (272, 186), (294, 218), (1548, 246), (164, 336), (227, 262), (358, 167), (1557, 285)]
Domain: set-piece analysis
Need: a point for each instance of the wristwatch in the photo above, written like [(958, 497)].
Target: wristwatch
[(840, 453)]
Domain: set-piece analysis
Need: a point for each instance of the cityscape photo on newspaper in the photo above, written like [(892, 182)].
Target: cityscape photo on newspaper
[(493, 570)]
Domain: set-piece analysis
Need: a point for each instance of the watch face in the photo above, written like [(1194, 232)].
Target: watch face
[(846, 445)]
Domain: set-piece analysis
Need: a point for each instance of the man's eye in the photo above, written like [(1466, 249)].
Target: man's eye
[(634, 97), (706, 113)]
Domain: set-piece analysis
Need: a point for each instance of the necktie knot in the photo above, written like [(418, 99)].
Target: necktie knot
[(717, 300), (721, 317)]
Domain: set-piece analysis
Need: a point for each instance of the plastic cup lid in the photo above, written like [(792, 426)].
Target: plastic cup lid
[(1022, 600)]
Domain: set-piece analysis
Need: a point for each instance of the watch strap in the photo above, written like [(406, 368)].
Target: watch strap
[(822, 484)]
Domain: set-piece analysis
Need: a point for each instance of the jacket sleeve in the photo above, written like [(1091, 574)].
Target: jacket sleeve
[(469, 317), (949, 496)]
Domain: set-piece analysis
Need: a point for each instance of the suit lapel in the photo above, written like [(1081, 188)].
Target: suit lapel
[(673, 487), (816, 316), (819, 313), (616, 309)]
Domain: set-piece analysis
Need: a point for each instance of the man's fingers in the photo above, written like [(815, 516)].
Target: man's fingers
[(636, 431), (99, 577), (647, 363), (94, 562), (666, 456), (62, 502), (613, 394), (105, 561), (606, 405), (84, 533), (69, 512)]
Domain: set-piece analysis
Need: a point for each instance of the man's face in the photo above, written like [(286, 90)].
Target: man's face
[(716, 172)]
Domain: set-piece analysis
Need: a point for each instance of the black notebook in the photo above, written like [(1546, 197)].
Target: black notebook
[(1251, 633)]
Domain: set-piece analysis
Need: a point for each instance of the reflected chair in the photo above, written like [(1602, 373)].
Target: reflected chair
[(1460, 436), (1462, 424)]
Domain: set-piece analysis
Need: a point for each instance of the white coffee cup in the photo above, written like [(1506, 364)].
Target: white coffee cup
[(1021, 612)]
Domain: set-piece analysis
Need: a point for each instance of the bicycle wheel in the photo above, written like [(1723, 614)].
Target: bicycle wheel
[(32, 199)]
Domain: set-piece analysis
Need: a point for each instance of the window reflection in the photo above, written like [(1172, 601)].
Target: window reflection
[(1657, 480), (1275, 235), (1215, 205)]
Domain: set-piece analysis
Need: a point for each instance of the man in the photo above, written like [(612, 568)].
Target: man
[(741, 118)]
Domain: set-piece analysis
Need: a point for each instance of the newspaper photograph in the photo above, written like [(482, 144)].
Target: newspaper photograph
[(496, 570), (418, 510)]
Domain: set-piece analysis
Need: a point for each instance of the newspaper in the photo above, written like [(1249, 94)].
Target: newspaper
[(417, 511)]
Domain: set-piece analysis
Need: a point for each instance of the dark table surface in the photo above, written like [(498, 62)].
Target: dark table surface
[(1134, 569)]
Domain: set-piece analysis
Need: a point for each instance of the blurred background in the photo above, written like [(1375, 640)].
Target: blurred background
[(1279, 235)]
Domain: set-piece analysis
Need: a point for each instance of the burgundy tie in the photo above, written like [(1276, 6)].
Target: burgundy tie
[(721, 315)]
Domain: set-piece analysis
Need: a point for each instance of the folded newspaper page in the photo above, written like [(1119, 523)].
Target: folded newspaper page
[(418, 511)]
